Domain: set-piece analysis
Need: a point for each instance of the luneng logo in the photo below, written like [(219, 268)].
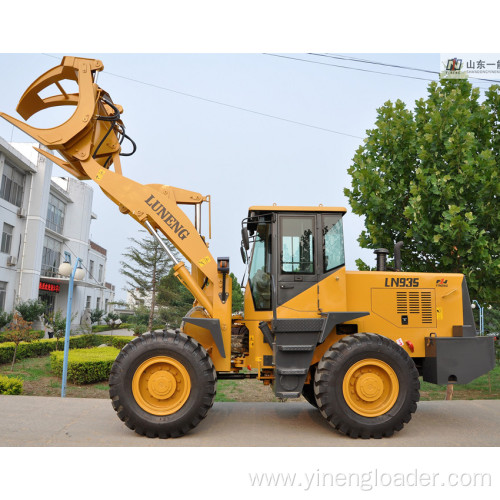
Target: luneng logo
[(454, 64), (442, 282)]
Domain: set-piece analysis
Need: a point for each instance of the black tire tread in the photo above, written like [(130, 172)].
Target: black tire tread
[(330, 361), (187, 344)]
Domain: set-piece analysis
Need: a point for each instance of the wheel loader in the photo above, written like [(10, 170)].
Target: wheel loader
[(354, 344)]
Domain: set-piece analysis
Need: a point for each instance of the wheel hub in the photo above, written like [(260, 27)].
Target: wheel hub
[(161, 385), (370, 387)]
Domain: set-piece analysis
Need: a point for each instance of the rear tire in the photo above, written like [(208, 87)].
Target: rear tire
[(162, 384), (308, 393), (367, 386)]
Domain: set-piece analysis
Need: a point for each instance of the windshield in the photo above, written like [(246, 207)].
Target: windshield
[(260, 269)]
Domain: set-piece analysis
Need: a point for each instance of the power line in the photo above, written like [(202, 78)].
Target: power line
[(368, 61), (220, 103), (350, 67)]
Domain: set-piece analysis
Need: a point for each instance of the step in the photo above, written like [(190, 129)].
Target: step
[(285, 395), (303, 348), (293, 371)]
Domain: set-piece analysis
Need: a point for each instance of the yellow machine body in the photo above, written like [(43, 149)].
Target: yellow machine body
[(352, 343)]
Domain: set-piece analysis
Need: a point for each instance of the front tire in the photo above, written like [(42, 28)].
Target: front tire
[(367, 386), (162, 384)]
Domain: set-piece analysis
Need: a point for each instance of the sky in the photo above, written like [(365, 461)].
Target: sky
[(193, 136)]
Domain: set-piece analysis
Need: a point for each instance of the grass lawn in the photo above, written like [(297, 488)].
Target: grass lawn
[(39, 381), (484, 387)]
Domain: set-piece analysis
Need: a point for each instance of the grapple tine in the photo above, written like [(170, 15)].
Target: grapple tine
[(91, 132)]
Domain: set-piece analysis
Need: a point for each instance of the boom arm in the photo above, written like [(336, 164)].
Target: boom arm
[(90, 143)]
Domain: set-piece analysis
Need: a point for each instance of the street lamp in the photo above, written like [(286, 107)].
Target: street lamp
[(481, 315), (76, 274)]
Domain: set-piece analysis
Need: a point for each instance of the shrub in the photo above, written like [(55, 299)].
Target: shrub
[(96, 316), (5, 318), (46, 346), (121, 342), (31, 310), (10, 385), (100, 328), (85, 366)]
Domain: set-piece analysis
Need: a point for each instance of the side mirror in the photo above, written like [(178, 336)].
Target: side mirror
[(243, 254), (245, 238)]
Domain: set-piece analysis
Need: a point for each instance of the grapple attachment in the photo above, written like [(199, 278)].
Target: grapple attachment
[(94, 131)]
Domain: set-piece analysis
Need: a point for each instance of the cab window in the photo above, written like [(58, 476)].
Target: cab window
[(260, 269), (297, 245), (333, 242)]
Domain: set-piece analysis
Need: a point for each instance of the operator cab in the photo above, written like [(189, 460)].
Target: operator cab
[(293, 249)]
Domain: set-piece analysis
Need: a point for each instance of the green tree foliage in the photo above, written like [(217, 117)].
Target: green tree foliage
[(145, 264), (176, 300), (238, 297), (31, 310), (56, 323), (5, 318), (96, 316), (430, 177)]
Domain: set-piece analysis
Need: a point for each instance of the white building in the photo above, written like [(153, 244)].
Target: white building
[(43, 220)]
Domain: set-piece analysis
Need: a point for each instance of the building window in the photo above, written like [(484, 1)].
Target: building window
[(87, 303), (3, 293), (6, 238), (12, 185), (101, 269), (55, 214), (91, 269), (98, 303), (51, 256)]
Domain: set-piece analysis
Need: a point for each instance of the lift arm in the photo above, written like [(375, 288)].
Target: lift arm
[(90, 144)]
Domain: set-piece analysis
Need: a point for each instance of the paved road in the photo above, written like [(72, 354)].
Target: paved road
[(38, 421)]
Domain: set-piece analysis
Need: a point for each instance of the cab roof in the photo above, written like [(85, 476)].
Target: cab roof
[(276, 208)]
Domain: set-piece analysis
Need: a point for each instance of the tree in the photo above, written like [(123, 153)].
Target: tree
[(146, 263), (238, 297), (19, 330), (176, 300), (430, 177)]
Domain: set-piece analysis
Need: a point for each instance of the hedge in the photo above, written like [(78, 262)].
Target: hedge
[(10, 385), (121, 342), (40, 334), (102, 328), (85, 366), (46, 346)]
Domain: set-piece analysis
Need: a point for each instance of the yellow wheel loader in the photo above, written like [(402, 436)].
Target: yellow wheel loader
[(352, 343)]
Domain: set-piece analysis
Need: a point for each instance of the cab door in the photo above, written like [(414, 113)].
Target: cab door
[(296, 261)]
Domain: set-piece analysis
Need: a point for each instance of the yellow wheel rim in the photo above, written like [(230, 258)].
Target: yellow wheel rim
[(370, 387), (161, 385)]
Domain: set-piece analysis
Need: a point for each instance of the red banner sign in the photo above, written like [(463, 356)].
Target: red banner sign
[(49, 287)]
